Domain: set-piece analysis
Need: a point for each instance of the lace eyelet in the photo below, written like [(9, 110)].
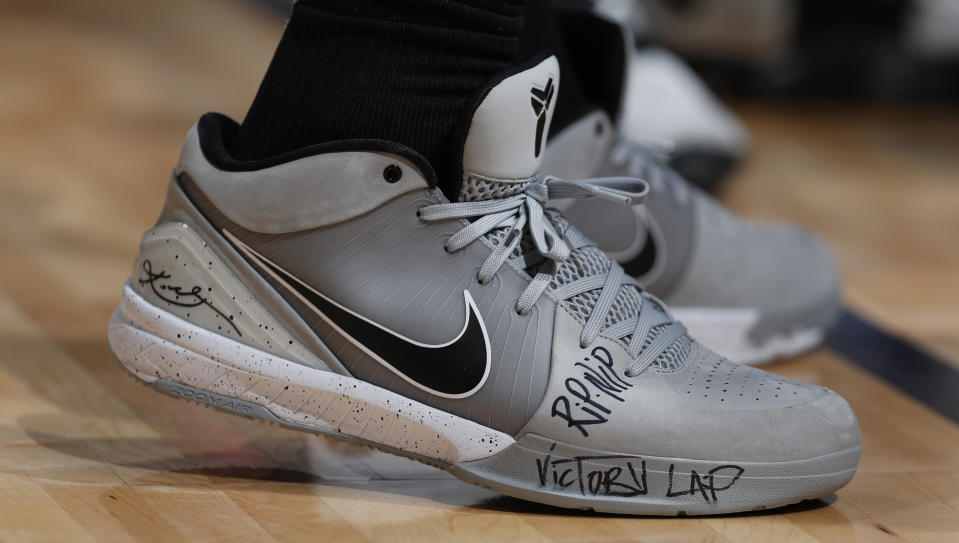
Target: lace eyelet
[(520, 312), (482, 281), (392, 173)]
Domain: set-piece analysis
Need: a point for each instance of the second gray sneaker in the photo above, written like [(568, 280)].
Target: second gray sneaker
[(750, 291)]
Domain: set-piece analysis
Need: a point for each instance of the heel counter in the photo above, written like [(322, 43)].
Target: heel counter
[(176, 269)]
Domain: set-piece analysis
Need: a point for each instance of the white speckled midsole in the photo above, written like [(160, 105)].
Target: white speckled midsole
[(154, 344)]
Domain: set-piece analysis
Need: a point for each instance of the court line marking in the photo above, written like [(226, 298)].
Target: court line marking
[(898, 361)]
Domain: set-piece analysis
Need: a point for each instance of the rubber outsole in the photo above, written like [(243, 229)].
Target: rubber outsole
[(584, 481)]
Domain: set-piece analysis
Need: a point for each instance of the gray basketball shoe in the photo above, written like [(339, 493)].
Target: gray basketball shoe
[(339, 291), (750, 291)]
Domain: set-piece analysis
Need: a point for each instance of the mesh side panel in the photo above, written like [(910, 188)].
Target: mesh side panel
[(526, 244), (673, 357), (582, 305), (626, 304), (473, 189), (677, 355), (497, 236), (587, 261), (582, 262)]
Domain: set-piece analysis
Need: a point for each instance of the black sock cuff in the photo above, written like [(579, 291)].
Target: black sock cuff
[(598, 50)]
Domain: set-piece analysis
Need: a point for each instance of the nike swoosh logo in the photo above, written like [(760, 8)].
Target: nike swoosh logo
[(455, 369), (645, 260), (649, 259)]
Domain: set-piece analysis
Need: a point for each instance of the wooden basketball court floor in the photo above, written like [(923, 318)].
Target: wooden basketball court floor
[(95, 97)]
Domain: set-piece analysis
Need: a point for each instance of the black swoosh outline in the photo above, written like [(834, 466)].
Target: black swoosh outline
[(645, 261), (450, 370), (650, 262)]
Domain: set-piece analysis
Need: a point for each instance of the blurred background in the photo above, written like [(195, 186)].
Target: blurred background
[(857, 49)]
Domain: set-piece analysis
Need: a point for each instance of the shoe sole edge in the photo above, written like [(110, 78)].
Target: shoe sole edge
[(470, 451)]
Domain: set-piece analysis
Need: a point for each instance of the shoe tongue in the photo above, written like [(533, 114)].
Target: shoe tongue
[(507, 133)]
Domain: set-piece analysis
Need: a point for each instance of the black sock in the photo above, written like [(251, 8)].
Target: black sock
[(397, 70), (596, 51), (542, 32)]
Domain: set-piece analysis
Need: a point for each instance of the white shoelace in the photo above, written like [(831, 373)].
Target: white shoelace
[(526, 211)]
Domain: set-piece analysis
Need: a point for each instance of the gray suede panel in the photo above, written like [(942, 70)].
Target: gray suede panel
[(707, 409), (781, 270), (707, 257), (815, 313), (312, 192), (393, 268)]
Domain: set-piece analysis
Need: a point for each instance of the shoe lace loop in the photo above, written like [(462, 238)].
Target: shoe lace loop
[(647, 159), (526, 212)]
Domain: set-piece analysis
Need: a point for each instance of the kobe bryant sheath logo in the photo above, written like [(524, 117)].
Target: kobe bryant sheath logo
[(541, 100)]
